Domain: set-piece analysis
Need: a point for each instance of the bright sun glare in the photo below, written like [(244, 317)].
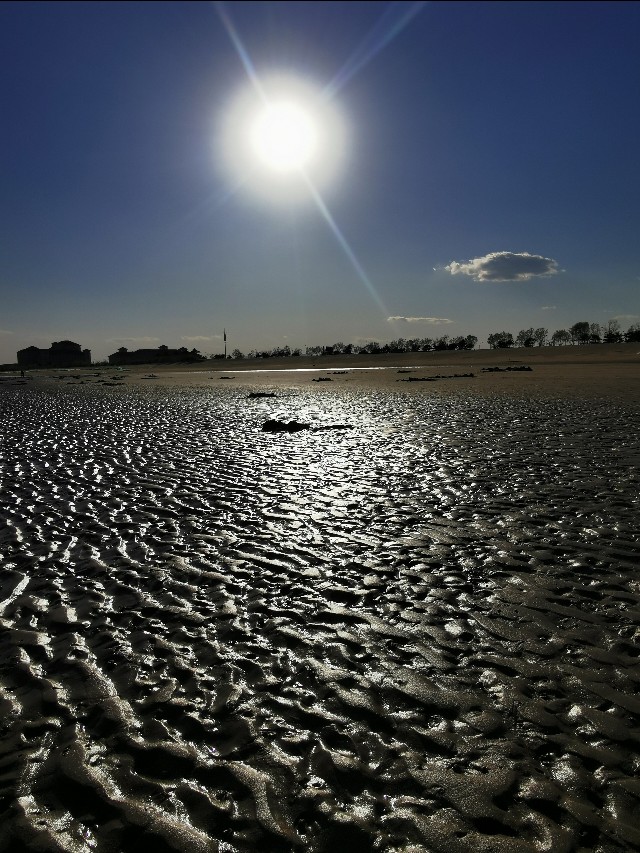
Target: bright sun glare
[(280, 137), (284, 137)]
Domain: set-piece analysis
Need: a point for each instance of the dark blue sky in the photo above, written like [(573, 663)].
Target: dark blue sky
[(472, 129)]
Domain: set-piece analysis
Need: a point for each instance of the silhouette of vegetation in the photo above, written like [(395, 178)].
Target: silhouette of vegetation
[(581, 332), (500, 340)]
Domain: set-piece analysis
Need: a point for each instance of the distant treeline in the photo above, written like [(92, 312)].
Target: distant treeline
[(370, 348), (579, 333)]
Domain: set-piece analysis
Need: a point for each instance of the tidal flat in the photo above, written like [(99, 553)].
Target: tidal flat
[(418, 634)]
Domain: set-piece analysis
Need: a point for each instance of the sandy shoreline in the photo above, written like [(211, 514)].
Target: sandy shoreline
[(417, 634), (604, 370)]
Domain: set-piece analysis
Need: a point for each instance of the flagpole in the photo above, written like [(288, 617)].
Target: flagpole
[(225, 343)]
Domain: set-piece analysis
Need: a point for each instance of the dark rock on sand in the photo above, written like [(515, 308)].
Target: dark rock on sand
[(255, 394), (435, 378), (296, 426), (505, 369), (284, 426)]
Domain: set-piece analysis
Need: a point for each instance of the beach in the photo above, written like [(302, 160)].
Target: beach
[(411, 626), (598, 371)]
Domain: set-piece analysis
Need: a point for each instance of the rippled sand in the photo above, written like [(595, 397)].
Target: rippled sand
[(419, 634)]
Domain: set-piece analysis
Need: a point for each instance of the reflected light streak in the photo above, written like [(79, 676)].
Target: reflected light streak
[(378, 37), (344, 245)]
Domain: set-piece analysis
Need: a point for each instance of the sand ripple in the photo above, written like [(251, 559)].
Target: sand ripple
[(417, 634)]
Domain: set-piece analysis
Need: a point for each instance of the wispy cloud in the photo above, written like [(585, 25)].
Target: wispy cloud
[(505, 266), (195, 338), (5, 332), (624, 318), (435, 321), (548, 308), (142, 340)]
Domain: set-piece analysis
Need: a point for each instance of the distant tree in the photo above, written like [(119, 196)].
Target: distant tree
[(426, 344), (236, 353), (457, 343), (470, 342), (580, 332), (500, 340), (526, 338), (348, 349), (338, 348), (540, 336), (313, 351), (612, 332), (595, 333), (163, 348), (560, 338), (441, 343), (296, 352), (632, 335), (279, 352), (123, 349)]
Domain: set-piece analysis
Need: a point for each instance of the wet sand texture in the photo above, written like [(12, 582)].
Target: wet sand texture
[(417, 634)]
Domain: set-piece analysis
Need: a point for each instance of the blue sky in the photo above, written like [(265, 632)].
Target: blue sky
[(484, 172)]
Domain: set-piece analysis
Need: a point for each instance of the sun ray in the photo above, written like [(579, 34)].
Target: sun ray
[(344, 245), (242, 52), (379, 36)]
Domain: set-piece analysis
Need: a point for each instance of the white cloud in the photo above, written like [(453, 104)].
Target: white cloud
[(435, 321), (623, 318), (505, 266), (548, 308), (141, 340), (5, 332), (194, 338)]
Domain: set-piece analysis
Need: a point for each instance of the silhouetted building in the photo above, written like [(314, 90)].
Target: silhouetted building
[(59, 354), (161, 355)]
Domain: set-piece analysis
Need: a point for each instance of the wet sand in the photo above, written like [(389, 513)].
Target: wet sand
[(418, 634)]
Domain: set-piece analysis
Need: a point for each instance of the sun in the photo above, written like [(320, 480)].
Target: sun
[(280, 136), (284, 136)]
